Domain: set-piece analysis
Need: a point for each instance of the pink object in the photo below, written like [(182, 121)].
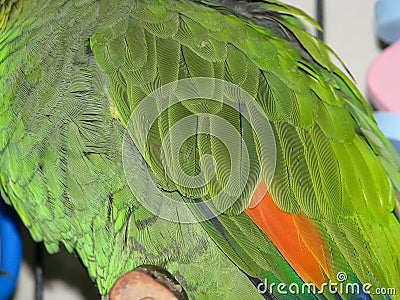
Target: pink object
[(383, 80)]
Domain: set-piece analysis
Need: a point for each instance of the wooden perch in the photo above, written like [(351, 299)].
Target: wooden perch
[(147, 282)]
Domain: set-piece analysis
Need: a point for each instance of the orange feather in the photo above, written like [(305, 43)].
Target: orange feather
[(286, 231)]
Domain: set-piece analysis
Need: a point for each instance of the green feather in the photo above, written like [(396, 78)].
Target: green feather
[(72, 74)]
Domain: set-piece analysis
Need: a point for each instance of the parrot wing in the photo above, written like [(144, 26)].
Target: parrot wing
[(61, 156), (75, 75), (335, 173)]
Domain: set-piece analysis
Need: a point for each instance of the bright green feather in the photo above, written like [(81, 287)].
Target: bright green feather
[(73, 72)]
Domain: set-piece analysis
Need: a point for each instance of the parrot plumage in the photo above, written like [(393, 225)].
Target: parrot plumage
[(302, 185)]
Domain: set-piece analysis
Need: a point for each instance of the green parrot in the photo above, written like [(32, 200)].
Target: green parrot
[(215, 139)]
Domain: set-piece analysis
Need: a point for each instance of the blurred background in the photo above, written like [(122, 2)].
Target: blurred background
[(349, 31)]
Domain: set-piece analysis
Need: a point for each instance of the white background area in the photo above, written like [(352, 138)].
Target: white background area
[(349, 31)]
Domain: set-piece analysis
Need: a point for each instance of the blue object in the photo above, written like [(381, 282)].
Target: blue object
[(387, 13), (389, 123), (396, 145), (10, 250)]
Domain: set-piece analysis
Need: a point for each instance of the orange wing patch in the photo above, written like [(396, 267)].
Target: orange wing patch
[(283, 229)]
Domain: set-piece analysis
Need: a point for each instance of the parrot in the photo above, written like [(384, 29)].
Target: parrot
[(217, 140)]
